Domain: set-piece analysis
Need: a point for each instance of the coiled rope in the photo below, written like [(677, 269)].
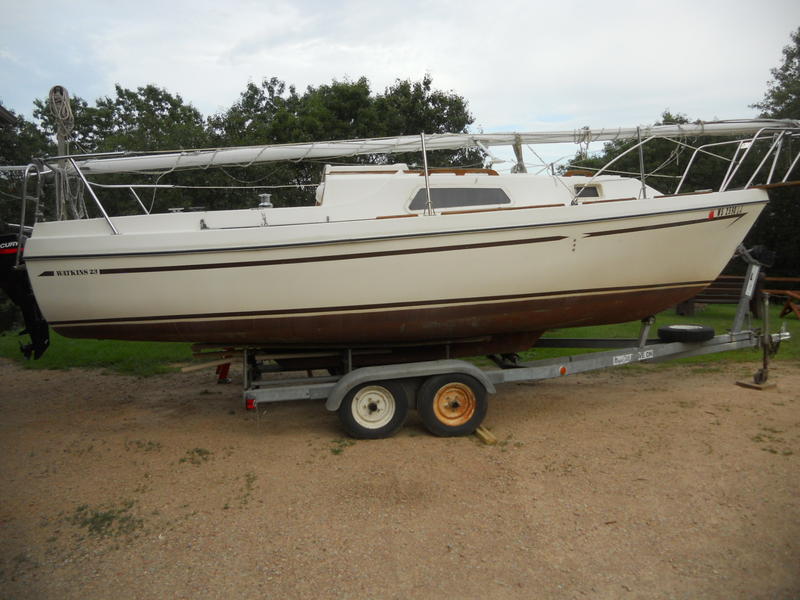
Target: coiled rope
[(65, 123)]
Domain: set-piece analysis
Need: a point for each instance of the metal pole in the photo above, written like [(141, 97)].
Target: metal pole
[(641, 161), (776, 147), (96, 199), (748, 288), (429, 206), (520, 166), (762, 375), (607, 166), (791, 168), (135, 195), (24, 198)]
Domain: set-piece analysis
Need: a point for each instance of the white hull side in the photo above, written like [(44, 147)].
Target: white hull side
[(177, 280)]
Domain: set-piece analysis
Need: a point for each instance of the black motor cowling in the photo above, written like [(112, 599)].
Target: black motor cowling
[(15, 283)]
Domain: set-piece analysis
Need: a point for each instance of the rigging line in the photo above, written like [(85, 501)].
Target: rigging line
[(211, 160), (672, 156), (170, 186), (270, 172), (155, 191), (256, 157), (536, 154), (311, 147), (700, 149)]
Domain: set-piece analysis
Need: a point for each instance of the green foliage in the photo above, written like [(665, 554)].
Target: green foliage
[(408, 108), (129, 358), (778, 226), (782, 98), (272, 113), (665, 161), (19, 142), (338, 445), (147, 119), (151, 118)]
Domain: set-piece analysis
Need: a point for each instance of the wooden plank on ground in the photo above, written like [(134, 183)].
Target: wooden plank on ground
[(201, 366), (486, 436)]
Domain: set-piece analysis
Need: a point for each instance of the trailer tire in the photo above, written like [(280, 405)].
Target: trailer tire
[(451, 405), (374, 410), (685, 333)]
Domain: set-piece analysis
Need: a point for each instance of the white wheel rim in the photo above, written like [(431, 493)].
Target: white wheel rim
[(373, 407), (686, 327)]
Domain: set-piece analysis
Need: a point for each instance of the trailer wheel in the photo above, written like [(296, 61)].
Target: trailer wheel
[(374, 410), (685, 333), (451, 405)]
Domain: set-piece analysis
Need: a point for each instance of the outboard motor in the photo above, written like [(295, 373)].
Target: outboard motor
[(15, 283)]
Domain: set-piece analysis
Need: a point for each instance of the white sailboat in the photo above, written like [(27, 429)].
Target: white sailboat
[(408, 263)]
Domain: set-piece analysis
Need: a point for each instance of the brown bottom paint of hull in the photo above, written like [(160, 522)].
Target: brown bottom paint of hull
[(506, 326)]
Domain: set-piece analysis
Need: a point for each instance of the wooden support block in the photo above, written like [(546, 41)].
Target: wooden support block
[(235, 354), (214, 363), (756, 386), (486, 436)]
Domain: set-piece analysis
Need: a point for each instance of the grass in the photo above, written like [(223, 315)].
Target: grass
[(718, 316), (338, 445), (129, 358), (151, 358), (106, 521)]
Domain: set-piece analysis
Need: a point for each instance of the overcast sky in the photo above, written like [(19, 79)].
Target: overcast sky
[(520, 65)]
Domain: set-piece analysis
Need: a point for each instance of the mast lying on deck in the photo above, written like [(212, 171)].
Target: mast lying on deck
[(248, 155)]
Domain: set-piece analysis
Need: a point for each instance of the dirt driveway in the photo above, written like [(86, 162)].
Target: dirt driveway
[(645, 483)]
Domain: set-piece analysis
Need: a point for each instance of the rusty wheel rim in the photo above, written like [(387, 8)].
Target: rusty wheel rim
[(454, 404)]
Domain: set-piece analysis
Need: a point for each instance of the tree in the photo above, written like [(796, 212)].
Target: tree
[(409, 108), (146, 119), (664, 161), (20, 140), (272, 113), (782, 98), (779, 226), (149, 118)]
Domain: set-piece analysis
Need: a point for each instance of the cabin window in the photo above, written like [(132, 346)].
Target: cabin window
[(459, 198), (587, 191)]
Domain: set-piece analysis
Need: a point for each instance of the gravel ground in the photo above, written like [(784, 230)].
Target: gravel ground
[(641, 483)]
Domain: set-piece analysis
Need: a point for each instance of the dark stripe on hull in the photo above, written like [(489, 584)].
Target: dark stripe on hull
[(401, 325), (736, 217), (325, 258)]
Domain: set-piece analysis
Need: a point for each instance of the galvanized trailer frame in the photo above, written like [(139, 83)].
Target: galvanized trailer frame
[(332, 389), (398, 387)]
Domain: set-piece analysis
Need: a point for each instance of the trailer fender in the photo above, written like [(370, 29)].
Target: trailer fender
[(403, 371)]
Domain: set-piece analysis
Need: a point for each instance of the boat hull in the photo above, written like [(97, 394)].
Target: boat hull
[(441, 279)]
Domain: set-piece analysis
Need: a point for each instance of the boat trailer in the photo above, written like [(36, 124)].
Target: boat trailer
[(451, 395)]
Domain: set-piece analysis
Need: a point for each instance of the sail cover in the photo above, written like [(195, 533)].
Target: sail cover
[(248, 155)]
